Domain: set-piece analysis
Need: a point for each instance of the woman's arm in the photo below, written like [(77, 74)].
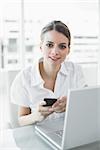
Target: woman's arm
[(25, 117)]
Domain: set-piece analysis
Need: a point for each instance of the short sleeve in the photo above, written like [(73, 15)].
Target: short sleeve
[(18, 92)]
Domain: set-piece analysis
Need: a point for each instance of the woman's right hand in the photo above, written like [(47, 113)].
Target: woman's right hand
[(45, 111)]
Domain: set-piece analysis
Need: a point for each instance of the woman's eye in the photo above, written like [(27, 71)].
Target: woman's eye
[(62, 46), (49, 45)]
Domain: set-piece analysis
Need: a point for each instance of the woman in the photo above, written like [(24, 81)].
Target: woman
[(50, 77)]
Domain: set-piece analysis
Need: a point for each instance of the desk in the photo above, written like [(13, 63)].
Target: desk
[(26, 139)]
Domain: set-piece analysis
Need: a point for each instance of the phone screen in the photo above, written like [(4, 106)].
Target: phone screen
[(49, 101)]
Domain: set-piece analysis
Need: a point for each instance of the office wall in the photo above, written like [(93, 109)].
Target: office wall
[(99, 46)]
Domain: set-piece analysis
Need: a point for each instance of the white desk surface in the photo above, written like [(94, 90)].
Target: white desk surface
[(25, 138)]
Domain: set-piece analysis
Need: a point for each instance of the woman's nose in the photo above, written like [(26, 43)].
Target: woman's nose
[(55, 51)]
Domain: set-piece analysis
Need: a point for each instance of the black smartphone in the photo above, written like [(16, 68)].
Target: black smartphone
[(49, 101)]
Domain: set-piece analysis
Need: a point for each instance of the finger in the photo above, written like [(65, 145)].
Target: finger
[(61, 107), (43, 109), (60, 100), (60, 110), (56, 104), (42, 103), (46, 113), (63, 104), (57, 108)]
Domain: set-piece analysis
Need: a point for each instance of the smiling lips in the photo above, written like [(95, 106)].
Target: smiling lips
[(54, 58)]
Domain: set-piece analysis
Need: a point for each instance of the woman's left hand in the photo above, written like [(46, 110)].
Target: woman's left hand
[(59, 105)]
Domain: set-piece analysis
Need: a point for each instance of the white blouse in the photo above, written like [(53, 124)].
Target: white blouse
[(27, 89)]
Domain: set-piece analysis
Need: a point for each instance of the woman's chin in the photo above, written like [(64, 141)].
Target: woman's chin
[(56, 62)]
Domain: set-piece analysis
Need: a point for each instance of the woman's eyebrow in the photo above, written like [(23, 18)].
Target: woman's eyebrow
[(49, 41), (63, 43), (58, 44)]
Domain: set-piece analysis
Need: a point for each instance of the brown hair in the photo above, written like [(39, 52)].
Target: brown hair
[(57, 26)]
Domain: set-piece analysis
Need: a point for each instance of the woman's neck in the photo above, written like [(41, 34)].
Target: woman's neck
[(48, 71)]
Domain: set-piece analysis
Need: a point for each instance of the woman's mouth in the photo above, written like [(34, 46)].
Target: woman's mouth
[(54, 58)]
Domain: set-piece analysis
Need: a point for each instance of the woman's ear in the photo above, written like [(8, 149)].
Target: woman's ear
[(68, 49), (41, 46)]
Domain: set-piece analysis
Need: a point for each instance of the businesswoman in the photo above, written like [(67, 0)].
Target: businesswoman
[(49, 77)]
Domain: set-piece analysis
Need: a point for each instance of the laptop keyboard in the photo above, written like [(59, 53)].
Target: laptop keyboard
[(59, 133)]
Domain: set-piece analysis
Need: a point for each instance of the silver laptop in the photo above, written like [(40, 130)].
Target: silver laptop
[(81, 123)]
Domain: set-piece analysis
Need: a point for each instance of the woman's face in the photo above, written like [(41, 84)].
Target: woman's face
[(55, 47)]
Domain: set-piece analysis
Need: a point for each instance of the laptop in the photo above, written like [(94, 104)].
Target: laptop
[(81, 122)]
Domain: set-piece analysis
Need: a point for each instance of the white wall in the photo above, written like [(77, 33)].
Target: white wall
[(91, 74)]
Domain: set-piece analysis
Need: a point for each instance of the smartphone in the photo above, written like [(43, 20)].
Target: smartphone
[(49, 101)]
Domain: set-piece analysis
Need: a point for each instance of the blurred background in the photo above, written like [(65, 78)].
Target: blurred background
[(20, 24)]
